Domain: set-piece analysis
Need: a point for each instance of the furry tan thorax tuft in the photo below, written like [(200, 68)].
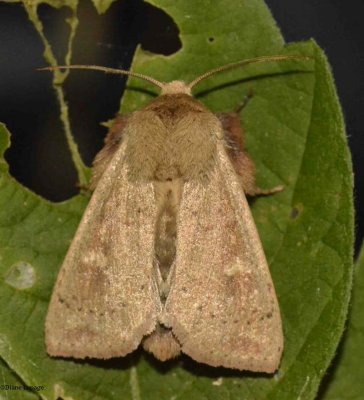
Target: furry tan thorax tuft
[(176, 87)]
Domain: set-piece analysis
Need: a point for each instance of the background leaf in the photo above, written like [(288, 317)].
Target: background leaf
[(102, 5), (346, 381), (294, 131), (8, 380)]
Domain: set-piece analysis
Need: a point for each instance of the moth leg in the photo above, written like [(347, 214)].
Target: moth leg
[(112, 142), (243, 164)]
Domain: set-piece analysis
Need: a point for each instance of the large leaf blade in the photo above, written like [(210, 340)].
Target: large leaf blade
[(295, 112)]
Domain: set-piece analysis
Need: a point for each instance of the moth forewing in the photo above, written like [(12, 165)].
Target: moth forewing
[(105, 298), (222, 306)]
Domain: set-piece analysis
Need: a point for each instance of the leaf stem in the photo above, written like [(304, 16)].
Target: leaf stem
[(135, 392), (58, 79)]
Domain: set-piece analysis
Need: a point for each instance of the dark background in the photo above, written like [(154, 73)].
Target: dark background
[(39, 157)]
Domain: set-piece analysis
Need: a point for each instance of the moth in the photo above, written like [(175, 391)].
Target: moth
[(167, 254)]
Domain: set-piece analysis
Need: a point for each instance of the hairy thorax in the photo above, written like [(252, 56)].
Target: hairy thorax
[(173, 137)]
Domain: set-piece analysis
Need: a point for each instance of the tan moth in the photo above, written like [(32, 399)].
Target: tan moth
[(167, 254)]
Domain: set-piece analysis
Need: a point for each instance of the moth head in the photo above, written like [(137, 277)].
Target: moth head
[(178, 87)]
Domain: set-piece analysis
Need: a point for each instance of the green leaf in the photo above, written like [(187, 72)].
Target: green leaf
[(11, 386), (346, 381), (295, 133), (53, 3)]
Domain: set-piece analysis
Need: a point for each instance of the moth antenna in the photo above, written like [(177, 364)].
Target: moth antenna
[(243, 63), (107, 71)]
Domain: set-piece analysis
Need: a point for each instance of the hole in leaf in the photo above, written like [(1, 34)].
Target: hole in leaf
[(39, 156), (295, 212), (161, 35), (56, 28), (211, 39)]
